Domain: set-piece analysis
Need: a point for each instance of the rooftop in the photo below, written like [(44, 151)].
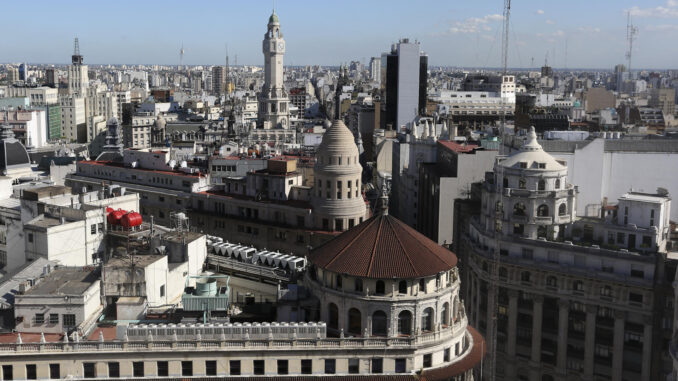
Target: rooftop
[(383, 247), (65, 281), (137, 260), (458, 148), (120, 165)]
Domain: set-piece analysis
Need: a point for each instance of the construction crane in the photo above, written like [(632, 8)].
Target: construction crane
[(493, 294)]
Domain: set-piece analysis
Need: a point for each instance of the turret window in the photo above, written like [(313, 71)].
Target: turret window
[(402, 287), (543, 211), (380, 288), (519, 209), (541, 185), (427, 320), (557, 183), (562, 210)]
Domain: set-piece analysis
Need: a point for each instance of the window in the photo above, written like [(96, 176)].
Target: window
[(30, 237), (339, 224), (405, 323), (31, 372), (187, 368), (354, 321), (557, 183), (379, 323), (527, 254), (353, 366), (377, 365), (635, 298), (427, 360), (326, 224), (339, 282), (606, 291), (68, 320), (522, 183), (7, 372), (446, 354), (506, 182), (422, 285), (259, 367), (358, 285), (543, 210), (552, 282), (163, 368), (39, 318), (525, 277), (234, 366), (427, 320), (400, 365), (578, 286), (138, 368), (330, 366), (402, 287), (113, 369), (306, 366), (380, 288), (283, 367), (88, 370), (54, 371), (333, 313), (541, 185), (519, 209)]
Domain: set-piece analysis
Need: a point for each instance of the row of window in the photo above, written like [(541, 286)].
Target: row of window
[(235, 368), (522, 183), (68, 320)]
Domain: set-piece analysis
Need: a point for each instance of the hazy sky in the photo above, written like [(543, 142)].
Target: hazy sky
[(574, 33)]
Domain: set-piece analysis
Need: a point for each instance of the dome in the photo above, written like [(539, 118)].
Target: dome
[(338, 140), (273, 19), (533, 155), (13, 154), (383, 247)]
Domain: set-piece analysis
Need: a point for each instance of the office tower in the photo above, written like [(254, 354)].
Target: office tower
[(375, 69), (406, 79), (78, 78), (218, 79), (50, 77), (23, 72)]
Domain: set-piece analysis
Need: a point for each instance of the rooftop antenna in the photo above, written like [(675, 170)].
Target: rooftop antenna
[(76, 47), (631, 32), (181, 55), (492, 297), (226, 76), (532, 64)]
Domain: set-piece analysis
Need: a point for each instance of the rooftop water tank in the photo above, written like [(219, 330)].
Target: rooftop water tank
[(206, 287), (131, 220), (115, 216)]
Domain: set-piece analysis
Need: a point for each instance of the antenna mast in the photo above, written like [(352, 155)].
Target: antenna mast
[(181, 55), (631, 32)]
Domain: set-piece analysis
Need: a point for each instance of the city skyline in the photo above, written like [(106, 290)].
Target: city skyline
[(563, 34)]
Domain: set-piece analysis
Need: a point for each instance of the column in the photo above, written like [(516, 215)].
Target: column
[(537, 312), (511, 335), (647, 349), (476, 313), (589, 340), (563, 312), (618, 345)]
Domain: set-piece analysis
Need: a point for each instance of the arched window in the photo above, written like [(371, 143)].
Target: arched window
[(333, 316), (427, 320), (543, 210), (557, 183), (381, 288), (379, 323), (445, 314), (552, 281), (405, 323), (541, 185), (562, 209), (522, 183), (506, 182), (354, 322), (402, 287), (519, 209), (541, 231), (526, 277)]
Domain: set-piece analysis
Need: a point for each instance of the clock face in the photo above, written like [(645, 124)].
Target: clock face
[(281, 45)]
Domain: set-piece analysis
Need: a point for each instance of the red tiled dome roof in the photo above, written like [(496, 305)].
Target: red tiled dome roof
[(383, 247)]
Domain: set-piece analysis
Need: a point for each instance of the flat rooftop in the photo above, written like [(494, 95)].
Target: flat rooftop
[(44, 222), (644, 197), (66, 281), (178, 237)]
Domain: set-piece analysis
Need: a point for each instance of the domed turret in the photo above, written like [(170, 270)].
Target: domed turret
[(273, 19), (532, 197), (337, 198)]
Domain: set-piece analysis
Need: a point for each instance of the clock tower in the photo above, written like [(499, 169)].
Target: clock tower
[(273, 101)]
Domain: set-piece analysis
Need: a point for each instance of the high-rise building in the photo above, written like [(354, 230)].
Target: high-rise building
[(23, 72), (273, 101), (218, 79), (12, 74), (375, 69), (664, 99), (406, 80), (50, 77), (78, 77)]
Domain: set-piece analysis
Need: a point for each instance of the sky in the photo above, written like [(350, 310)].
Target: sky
[(458, 33)]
